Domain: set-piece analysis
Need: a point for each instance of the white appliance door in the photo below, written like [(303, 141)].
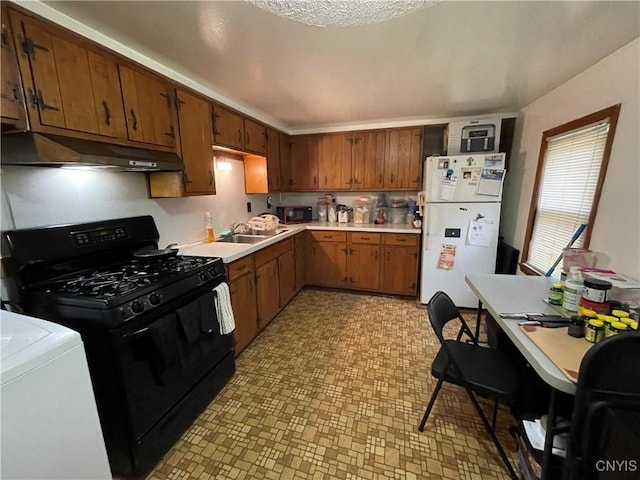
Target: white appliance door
[(457, 239), (464, 178)]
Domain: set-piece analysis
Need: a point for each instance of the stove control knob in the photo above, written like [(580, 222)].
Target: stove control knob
[(154, 299), (204, 276), (137, 307)]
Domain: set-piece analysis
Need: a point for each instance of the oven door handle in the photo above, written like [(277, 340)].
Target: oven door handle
[(138, 333)]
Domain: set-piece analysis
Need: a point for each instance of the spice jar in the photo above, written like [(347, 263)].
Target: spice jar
[(594, 331), (555, 294), (614, 328), (620, 314), (576, 327)]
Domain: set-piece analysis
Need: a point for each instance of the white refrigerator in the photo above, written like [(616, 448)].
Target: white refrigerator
[(461, 217)]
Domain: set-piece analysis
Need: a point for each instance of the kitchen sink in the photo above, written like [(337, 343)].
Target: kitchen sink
[(242, 238)]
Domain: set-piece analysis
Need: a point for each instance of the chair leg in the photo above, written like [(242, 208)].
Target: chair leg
[(430, 406), (492, 434), (495, 414)]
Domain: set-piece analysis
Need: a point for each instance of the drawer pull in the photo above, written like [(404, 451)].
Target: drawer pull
[(398, 239), (242, 267), (365, 238)]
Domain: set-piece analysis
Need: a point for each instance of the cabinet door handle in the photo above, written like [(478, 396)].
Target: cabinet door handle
[(214, 117), (171, 133), (107, 113), (380, 179), (325, 179), (375, 254), (248, 138), (37, 99), (239, 136), (210, 177), (392, 178), (315, 182), (167, 97), (134, 119), (177, 102), (388, 256)]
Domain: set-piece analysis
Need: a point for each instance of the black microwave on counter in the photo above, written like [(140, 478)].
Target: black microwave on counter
[(295, 214)]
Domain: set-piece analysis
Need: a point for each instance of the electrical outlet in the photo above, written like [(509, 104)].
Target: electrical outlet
[(248, 207)]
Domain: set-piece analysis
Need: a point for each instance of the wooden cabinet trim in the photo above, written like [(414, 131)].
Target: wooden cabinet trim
[(273, 251), (328, 236), (240, 267), (406, 239), (365, 237)]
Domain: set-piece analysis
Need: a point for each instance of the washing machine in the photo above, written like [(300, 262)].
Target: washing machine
[(50, 427)]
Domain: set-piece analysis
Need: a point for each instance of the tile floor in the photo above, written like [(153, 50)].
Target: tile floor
[(334, 388)]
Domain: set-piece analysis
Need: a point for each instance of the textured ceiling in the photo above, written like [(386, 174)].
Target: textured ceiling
[(452, 59)]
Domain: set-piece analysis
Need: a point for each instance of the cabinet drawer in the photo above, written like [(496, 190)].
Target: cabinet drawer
[(408, 239), (365, 237), (240, 267), (329, 236), (269, 253)]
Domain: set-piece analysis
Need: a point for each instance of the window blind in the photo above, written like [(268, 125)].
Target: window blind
[(572, 163)]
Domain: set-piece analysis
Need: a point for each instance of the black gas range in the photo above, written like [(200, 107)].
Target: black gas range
[(147, 318)]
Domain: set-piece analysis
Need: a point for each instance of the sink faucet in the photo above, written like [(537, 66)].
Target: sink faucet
[(235, 226)]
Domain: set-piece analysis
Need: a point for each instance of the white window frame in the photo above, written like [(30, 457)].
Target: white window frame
[(559, 204)]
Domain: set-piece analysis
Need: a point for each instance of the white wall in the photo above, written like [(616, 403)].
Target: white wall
[(38, 196), (613, 80)]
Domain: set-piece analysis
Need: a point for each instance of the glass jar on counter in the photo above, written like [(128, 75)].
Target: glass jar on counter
[(594, 331)]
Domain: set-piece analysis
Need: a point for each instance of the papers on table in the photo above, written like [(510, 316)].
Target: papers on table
[(536, 433)]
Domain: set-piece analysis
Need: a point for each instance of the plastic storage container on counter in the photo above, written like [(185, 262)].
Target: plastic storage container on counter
[(362, 209)]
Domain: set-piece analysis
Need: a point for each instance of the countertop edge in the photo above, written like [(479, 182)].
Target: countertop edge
[(230, 252)]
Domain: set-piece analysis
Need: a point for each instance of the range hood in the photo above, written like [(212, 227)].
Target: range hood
[(56, 151)]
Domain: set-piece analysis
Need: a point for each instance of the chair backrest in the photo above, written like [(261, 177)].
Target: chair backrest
[(442, 310), (605, 426)]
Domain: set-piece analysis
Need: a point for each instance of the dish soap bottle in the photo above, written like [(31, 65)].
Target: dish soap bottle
[(209, 228)]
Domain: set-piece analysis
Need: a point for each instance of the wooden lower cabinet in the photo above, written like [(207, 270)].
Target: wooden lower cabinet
[(267, 292), (241, 275), (376, 262), (287, 276), (363, 263), (400, 264), (327, 260), (243, 302), (300, 242)]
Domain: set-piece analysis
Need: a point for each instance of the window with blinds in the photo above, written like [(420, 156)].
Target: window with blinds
[(571, 170)]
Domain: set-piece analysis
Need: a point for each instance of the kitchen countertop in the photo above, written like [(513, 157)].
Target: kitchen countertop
[(229, 252)]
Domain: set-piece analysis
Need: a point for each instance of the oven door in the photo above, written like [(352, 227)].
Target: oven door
[(165, 355)]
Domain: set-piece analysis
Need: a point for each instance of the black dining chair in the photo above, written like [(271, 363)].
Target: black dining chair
[(604, 438), (479, 370)]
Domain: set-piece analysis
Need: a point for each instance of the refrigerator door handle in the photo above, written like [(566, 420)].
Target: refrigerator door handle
[(420, 203), (427, 221)]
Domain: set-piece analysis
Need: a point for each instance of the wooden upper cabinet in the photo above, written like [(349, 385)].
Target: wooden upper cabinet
[(233, 130), (11, 101), (196, 140), (403, 160), (149, 107), (285, 162), (228, 128), (255, 137), (304, 162), (69, 86), (334, 161), (368, 159), (273, 160)]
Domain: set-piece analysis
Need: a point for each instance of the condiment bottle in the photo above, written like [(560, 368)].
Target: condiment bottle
[(210, 234)]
